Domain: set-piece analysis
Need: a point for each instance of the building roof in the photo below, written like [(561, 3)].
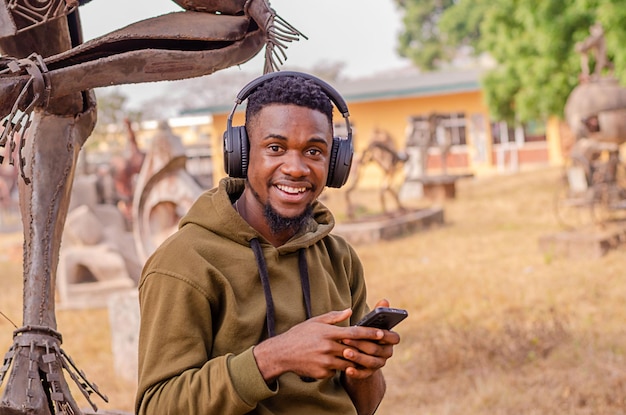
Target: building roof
[(386, 86), (399, 85)]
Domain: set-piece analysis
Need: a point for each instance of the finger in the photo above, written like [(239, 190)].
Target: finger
[(364, 365), (377, 350), (366, 361), (370, 348), (358, 373), (378, 336), (382, 303), (333, 317), (364, 333)]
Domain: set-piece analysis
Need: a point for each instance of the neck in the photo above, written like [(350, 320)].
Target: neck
[(254, 216)]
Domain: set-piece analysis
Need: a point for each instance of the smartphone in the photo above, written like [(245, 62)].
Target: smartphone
[(383, 318)]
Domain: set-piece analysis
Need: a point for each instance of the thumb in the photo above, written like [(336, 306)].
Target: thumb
[(333, 317)]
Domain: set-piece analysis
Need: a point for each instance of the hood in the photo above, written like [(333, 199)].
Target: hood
[(213, 211)]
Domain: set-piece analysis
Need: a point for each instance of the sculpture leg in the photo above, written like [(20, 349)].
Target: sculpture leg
[(354, 178), (36, 384), (383, 190), (423, 160)]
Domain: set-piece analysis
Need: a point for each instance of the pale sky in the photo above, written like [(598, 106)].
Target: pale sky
[(360, 33)]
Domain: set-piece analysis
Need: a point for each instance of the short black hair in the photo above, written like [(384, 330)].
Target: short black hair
[(289, 89)]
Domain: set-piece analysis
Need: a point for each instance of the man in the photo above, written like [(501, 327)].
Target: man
[(250, 307)]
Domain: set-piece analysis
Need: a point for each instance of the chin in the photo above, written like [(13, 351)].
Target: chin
[(282, 220)]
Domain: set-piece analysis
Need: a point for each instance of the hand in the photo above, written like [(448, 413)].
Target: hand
[(317, 348), (370, 352), (312, 348)]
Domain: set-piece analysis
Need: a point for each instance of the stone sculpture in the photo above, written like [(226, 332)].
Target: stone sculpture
[(164, 192), (596, 107)]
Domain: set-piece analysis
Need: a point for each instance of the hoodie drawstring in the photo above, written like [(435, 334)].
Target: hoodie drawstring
[(265, 282), (270, 316), (304, 280)]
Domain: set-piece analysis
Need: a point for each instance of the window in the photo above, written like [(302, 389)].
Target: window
[(439, 128), (533, 131)]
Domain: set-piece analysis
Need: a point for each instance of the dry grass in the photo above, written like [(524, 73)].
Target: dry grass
[(495, 327)]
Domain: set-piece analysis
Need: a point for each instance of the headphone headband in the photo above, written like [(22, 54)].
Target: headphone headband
[(334, 96)]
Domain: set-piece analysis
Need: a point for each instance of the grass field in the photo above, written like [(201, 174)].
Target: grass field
[(496, 326)]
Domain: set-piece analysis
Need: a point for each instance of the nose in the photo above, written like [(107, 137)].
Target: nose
[(294, 164)]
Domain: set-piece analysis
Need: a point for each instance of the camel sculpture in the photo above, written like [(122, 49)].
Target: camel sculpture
[(47, 76), (381, 150)]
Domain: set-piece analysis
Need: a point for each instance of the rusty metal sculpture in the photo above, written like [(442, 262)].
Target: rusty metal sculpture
[(596, 114), (124, 173), (382, 151), (428, 133), (47, 75)]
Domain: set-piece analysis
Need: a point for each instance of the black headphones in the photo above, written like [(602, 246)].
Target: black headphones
[(236, 145)]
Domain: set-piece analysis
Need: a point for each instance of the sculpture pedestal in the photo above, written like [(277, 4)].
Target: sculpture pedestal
[(441, 187), (585, 243), (390, 226), (124, 318)]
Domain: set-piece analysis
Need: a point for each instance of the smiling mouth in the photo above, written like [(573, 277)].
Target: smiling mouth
[(290, 189)]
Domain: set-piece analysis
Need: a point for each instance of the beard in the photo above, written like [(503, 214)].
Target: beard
[(279, 223)]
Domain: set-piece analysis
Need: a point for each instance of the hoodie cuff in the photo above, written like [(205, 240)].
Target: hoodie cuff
[(247, 378)]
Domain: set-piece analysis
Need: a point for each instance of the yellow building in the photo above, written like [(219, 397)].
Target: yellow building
[(398, 101)]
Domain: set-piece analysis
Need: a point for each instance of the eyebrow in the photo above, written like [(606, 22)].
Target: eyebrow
[(283, 138)]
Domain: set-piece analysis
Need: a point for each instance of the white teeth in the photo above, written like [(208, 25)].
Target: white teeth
[(289, 189)]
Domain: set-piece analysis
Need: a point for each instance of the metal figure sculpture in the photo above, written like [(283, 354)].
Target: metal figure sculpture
[(594, 44), (47, 75), (124, 172), (427, 133), (422, 135), (382, 151)]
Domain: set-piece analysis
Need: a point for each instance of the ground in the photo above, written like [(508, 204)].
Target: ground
[(496, 326)]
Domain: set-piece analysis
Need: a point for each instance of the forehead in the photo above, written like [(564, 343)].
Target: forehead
[(290, 115)]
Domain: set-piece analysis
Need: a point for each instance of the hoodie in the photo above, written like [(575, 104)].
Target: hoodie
[(204, 307)]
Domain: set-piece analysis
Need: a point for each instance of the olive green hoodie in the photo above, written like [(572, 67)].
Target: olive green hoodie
[(203, 310)]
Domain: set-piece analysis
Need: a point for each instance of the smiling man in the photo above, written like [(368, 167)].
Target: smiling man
[(250, 307)]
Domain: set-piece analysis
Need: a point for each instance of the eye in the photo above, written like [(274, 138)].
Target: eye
[(274, 148), (314, 152)]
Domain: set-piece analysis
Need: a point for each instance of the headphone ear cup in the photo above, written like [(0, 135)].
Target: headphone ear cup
[(333, 161), (340, 162), (236, 152), (245, 151)]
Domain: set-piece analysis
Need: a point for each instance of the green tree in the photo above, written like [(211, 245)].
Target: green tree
[(532, 42), (421, 41)]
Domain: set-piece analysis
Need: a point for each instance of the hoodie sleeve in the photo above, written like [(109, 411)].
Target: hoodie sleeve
[(176, 373)]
